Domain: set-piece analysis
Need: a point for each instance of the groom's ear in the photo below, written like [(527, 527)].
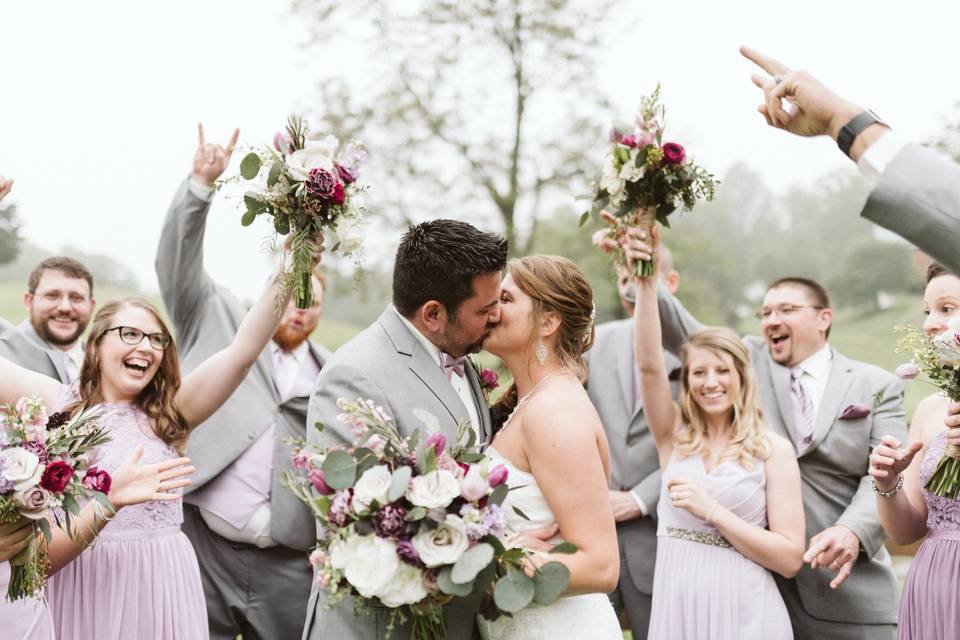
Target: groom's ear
[(433, 316)]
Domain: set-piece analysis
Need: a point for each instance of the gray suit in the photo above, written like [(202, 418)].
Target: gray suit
[(4, 325), (22, 345), (259, 592), (918, 198), (634, 463), (835, 485), (387, 364)]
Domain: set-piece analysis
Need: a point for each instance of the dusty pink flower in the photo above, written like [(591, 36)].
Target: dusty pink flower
[(316, 479), (282, 143), (473, 486), (497, 476), (438, 441), (97, 479), (907, 371), (489, 379)]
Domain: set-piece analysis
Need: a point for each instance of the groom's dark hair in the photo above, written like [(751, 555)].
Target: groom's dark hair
[(438, 260)]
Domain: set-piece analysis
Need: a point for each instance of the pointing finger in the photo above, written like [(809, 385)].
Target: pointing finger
[(201, 141)]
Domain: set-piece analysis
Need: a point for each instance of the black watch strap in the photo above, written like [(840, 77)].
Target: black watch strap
[(855, 127)]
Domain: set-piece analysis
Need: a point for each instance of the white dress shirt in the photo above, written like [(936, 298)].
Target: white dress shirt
[(459, 383), (881, 153)]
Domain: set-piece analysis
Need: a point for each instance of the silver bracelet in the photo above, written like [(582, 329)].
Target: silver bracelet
[(891, 492)]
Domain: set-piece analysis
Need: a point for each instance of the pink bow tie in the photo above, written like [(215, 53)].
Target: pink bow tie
[(451, 365)]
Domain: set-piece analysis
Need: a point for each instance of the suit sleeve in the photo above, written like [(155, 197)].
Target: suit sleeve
[(648, 490), (861, 516), (184, 284), (675, 321), (918, 198)]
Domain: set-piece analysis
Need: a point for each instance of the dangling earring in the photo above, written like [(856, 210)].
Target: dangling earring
[(541, 352)]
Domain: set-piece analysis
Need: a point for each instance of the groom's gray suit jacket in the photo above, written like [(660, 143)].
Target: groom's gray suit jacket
[(634, 463), (387, 364), (835, 485), (206, 316), (22, 345), (918, 198)]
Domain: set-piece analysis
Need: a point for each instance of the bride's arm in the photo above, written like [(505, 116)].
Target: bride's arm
[(562, 451)]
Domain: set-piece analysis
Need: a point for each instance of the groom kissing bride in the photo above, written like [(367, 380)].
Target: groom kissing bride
[(448, 302)]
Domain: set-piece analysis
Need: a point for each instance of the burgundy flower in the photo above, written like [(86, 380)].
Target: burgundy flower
[(97, 479), (389, 521), (339, 195), (56, 476), (57, 420), (344, 173), (322, 184), (38, 449), (316, 479), (673, 153), (409, 554)]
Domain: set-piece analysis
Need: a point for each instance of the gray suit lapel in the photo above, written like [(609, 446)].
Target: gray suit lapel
[(838, 381), (55, 355), (625, 369), (480, 401), (780, 379)]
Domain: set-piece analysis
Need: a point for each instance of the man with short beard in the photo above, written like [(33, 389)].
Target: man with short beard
[(59, 301), (250, 534)]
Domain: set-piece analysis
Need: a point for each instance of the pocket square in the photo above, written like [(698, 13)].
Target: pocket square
[(855, 411)]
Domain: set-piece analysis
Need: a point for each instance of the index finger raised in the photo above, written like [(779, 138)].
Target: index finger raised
[(200, 139), (771, 65)]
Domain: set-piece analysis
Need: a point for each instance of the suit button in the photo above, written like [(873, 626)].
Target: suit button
[(251, 436)]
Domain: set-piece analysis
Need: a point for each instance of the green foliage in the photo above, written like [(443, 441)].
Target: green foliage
[(10, 238), (339, 470)]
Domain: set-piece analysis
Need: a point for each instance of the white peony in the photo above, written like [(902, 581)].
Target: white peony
[(21, 467), (370, 564), (610, 180), (406, 587), (349, 234), (443, 545), (316, 154), (630, 171), (373, 485), (435, 489)]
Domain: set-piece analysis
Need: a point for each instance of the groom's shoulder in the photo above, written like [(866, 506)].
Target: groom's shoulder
[(367, 351)]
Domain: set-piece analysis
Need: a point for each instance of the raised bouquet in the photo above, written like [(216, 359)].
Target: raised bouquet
[(46, 469), (412, 524), (938, 359), (643, 179), (306, 186)]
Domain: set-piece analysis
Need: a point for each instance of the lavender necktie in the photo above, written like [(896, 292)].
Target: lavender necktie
[(802, 409), (452, 365)]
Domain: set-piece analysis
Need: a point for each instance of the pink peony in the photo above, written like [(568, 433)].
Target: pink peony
[(316, 479), (97, 479), (497, 476), (673, 153), (56, 476), (907, 371), (282, 143)]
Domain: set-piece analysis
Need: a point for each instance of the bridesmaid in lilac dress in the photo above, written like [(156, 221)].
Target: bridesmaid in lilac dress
[(141, 579), (929, 606), (730, 509)]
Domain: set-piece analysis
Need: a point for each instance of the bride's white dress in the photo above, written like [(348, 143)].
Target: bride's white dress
[(584, 617)]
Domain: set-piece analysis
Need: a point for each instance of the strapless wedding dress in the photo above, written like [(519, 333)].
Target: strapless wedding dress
[(583, 617)]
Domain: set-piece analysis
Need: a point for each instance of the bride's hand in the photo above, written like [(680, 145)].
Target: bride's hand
[(687, 494), (536, 539), (135, 483)]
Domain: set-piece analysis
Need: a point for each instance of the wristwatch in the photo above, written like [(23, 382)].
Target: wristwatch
[(855, 127)]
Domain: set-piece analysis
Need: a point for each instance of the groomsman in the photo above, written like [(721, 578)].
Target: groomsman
[(59, 302), (834, 410), (634, 464), (250, 534)]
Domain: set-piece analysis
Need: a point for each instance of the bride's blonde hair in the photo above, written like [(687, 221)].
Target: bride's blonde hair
[(749, 441)]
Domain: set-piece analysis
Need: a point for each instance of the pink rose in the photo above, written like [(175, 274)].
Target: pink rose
[(473, 486), (56, 476), (497, 476), (282, 143), (33, 501), (673, 153), (628, 141), (316, 479), (97, 479), (437, 441), (907, 371)]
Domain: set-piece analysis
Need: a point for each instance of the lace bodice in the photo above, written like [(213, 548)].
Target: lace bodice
[(942, 513), (129, 427)]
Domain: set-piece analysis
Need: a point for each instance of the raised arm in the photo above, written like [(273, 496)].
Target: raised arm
[(17, 382), (184, 284)]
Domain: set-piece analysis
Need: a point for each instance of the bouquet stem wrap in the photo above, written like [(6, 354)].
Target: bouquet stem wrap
[(643, 218), (945, 479)]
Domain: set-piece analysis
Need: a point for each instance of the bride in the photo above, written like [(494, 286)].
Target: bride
[(554, 447)]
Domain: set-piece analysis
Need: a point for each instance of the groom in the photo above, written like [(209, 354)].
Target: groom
[(446, 298)]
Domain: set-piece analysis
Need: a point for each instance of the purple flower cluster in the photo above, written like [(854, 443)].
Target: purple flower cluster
[(5, 485), (491, 520), (389, 521), (340, 508), (408, 553), (38, 449)]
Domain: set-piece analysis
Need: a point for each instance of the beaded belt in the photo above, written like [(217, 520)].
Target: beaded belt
[(702, 537)]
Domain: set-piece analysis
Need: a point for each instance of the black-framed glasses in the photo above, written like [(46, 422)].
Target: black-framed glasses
[(784, 310), (132, 335)]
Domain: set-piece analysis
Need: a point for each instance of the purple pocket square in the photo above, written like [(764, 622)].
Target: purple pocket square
[(855, 411)]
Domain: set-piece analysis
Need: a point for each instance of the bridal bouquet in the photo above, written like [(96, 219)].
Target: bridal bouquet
[(643, 180), (46, 468), (938, 358), (306, 186), (412, 524)]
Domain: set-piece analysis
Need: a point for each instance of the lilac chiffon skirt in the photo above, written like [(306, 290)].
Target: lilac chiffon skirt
[(930, 605), (131, 584), (25, 619)]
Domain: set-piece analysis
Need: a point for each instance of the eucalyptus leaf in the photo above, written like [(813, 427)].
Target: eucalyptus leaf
[(520, 513), (448, 586), (472, 457), (584, 218), (514, 591), (550, 581), (366, 459), (274, 174), (417, 513), (247, 218), (471, 562), (250, 166), (399, 482), (564, 547), (70, 504), (253, 204), (428, 419), (339, 470), (498, 495), (44, 525)]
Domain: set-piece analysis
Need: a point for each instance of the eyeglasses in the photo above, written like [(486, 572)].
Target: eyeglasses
[(132, 335), (784, 310)]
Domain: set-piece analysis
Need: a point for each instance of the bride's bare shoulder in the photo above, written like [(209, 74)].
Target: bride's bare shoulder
[(561, 409)]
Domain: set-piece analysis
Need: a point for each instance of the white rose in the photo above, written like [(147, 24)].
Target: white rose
[(435, 489), (406, 587), (316, 154), (349, 234), (341, 551), (443, 545), (21, 467), (610, 180), (371, 564), (373, 485)]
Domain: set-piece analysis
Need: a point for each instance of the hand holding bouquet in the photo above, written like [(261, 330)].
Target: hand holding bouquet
[(411, 524), (643, 180), (46, 467)]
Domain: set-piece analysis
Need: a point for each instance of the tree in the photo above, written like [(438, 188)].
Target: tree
[(479, 109), (9, 234)]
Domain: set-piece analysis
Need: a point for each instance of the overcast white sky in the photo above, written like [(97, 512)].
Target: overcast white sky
[(100, 99)]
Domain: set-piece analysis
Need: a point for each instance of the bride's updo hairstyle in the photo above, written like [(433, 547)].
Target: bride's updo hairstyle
[(555, 285)]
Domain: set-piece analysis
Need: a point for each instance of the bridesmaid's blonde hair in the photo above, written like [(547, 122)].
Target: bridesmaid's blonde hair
[(749, 441)]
